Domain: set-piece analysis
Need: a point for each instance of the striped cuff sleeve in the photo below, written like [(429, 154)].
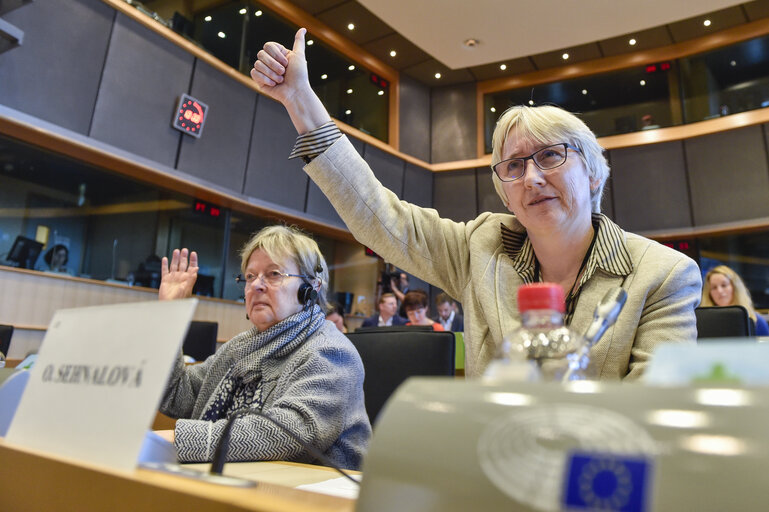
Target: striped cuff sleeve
[(315, 142)]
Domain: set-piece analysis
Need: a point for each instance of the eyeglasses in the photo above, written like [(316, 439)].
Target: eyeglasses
[(271, 278), (546, 159)]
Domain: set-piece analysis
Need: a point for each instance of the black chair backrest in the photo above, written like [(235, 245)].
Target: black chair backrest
[(391, 356), (6, 331), (201, 340), (723, 322)]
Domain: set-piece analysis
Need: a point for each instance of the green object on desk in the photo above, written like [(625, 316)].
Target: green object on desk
[(718, 374), (459, 351)]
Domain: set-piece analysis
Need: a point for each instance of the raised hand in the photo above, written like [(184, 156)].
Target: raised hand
[(177, 280), (281, 74)]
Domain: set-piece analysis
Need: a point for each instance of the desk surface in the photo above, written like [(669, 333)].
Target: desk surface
[(31, 480)]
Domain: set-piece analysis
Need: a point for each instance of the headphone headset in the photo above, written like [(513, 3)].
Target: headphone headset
[(307, 293)]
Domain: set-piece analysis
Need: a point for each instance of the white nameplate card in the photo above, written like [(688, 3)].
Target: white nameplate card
[(98, 380), (740, 361)]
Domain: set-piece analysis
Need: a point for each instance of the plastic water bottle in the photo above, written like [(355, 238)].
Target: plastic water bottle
[(542, 348)]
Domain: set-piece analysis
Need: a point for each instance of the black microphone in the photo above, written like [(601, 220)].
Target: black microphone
[(605, 314), (220, 453)]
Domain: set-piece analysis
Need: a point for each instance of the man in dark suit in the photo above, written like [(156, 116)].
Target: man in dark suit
[(448, 316), (388, 309)]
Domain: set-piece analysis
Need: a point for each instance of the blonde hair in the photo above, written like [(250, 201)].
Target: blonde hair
[(284, 243), (548, 124), (740, 294)]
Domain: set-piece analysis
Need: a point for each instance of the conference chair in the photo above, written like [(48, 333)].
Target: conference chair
[(390, 356), (6, 331), (723, 322), (201, 340)]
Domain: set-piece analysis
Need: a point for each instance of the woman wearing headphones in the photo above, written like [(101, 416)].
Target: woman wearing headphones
[(292, 365)]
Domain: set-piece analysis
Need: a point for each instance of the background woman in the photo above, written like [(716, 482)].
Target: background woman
[(292, 365), (549, 170), (416, 304), (724, 287)]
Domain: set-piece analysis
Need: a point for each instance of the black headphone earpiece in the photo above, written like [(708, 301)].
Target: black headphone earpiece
[(307, 293)]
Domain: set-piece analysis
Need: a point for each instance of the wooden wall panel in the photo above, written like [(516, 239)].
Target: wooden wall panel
[(454, 195), (221, 152), (728, 176), (143, 77), (55, 73), (650, 188)]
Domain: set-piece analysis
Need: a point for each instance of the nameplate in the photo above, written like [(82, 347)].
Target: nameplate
[(98, 380)]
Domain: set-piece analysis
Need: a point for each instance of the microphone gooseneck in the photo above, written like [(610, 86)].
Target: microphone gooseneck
[(605, 314), (222, 447)]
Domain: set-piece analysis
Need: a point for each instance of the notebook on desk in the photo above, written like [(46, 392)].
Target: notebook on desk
[(98, 380)]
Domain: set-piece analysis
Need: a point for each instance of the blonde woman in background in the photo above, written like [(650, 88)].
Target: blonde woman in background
[(724, 287)]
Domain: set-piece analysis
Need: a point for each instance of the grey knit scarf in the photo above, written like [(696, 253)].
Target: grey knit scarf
[(241, 385)]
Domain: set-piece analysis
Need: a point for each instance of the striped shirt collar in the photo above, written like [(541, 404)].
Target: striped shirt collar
[(610, 252)]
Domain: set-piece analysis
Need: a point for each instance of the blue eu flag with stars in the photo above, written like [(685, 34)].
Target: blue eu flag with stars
[(607, 482)]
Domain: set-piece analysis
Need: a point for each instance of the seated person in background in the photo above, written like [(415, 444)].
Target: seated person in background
[(335, 315), (416, 304), (292, 365), (56, 258), (724, 287), (388, 313), (448, 317), (549, 172)]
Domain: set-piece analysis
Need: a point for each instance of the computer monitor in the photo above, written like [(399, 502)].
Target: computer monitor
[(24, 252)]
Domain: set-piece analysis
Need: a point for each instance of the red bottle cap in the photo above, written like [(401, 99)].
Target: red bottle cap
[(541, 296)]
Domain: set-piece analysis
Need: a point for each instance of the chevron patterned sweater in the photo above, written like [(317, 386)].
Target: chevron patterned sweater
[(316, 391)]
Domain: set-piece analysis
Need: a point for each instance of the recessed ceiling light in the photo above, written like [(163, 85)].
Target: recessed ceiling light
[(348, 112), (632, 42), (258, 13), (642, 82), (437, 75), (493, 109), (733, 63), (310, 42), (350, 26), (380, 92), (207, 18), (393, 53), (531, 102), (565, 56), (222, 35), (503, 67), (471, 42), (584, 91), (242, 11), (349, 91), (706, 23), (323, 76), (351, 67)]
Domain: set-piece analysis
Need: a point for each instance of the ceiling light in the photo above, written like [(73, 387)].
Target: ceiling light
[(350, 26), (222, 35), (348, 112), (258, 13), (643, 82), (380, 92), (349, 91), (503, 67), (437, 75), (351, 67), (207, 18), (565, 56), (242, 11), (632, 42), (706, 23), (471, 43), (733, 63), (323, 76), (393, 53), (310, 42), (584, 91), (493, 109), (531, 102)]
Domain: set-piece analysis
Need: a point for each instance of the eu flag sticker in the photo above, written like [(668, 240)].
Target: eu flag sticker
[(597, 481)]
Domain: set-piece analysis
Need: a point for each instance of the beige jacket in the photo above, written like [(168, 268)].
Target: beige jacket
[(468, 261)]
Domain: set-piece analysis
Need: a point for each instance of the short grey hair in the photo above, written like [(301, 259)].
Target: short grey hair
[(283, 243), (548, 124)]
